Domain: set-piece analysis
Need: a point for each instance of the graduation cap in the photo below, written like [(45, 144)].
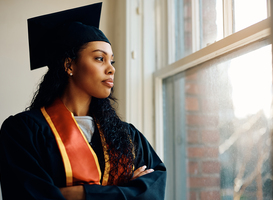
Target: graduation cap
[(52, 34)]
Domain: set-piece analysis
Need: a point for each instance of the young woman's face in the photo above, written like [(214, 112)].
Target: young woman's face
[(93, 72)]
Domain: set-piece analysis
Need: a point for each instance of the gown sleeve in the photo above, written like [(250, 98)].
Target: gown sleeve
[(148, 187), (21, 147)]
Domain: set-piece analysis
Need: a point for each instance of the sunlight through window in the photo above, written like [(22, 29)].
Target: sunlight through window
[(251, 79), (249, 12)]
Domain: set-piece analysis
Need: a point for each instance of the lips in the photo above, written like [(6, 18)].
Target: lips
[(108, 82)]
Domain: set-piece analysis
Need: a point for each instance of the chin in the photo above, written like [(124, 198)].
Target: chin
[(103, 96)]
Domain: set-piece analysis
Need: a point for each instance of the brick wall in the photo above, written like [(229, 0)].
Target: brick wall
[(202, 138)]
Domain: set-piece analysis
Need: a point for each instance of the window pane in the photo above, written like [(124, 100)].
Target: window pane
[(197, 24), (211, 21), (218, 127), (248, 12), (183, 28)]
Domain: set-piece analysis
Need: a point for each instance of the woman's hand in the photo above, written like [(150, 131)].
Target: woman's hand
[(73, 192), (141, 171)]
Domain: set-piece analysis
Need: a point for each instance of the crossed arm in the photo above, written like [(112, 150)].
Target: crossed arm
[(77, 192), (28, 159)]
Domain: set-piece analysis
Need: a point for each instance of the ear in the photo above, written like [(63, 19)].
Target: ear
[(68, 66)]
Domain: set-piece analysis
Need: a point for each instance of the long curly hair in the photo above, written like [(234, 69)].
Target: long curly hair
[(120, 146)]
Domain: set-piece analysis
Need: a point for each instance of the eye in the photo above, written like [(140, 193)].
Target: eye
[(113, 62), (99, 59)]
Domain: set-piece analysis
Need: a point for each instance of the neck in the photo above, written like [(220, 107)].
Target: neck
[(76, 103)]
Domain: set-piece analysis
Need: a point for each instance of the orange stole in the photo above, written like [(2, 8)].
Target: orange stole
[(80, 161)]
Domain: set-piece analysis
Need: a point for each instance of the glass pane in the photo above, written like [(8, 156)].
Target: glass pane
[(248, 12), (183, 28), (211, 22), (197, 24), (218, 128)]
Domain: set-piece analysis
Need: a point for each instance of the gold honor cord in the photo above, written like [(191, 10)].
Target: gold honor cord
[(106, 158)]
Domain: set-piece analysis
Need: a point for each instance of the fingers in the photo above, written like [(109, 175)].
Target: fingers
[(141, 171), (138, 171), (145, 172)]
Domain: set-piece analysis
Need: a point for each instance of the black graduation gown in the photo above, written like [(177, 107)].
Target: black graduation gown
[(31, 166)]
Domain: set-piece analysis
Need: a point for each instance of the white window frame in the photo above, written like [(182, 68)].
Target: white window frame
[(140, 66), (229, 43)]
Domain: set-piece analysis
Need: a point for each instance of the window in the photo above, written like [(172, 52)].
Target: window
[(214, 99), (199, 23), (217, 127)]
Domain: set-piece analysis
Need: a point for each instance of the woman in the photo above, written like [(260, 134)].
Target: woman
[(70, 144)]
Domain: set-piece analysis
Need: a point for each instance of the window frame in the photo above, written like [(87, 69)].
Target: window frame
[(140, 66), (230, 42)]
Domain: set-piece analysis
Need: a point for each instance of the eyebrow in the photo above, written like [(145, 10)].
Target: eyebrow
[(104, 52)]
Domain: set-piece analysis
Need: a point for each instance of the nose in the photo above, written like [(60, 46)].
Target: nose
[(110, 69)]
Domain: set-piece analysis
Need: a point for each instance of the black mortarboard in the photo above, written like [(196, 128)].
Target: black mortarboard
[(53, 34)]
